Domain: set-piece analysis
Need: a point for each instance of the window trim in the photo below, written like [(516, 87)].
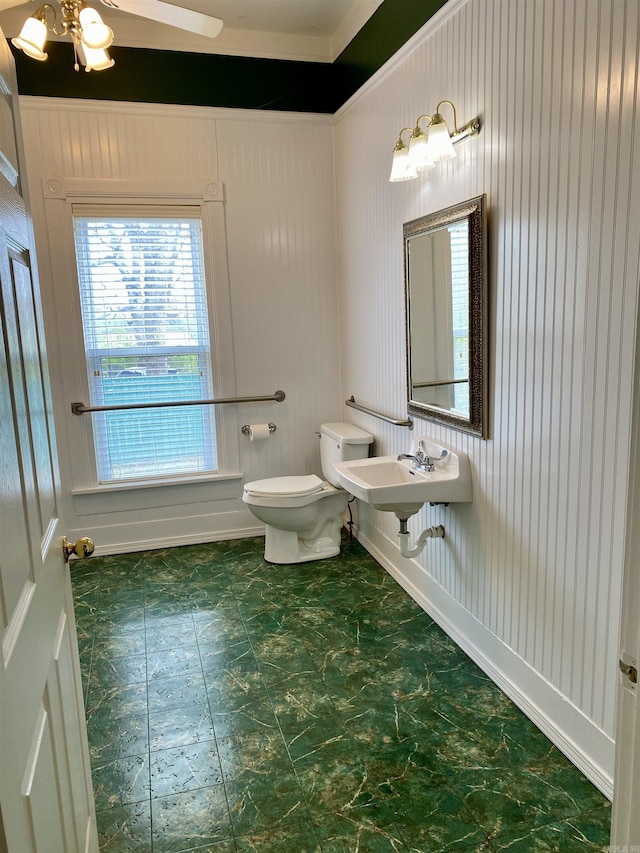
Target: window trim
[(61, 197)]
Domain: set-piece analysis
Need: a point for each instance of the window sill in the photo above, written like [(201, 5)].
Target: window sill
[(134, 485)]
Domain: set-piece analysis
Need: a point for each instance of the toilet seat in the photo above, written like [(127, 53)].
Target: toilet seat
[(287, 491), (286, 487)]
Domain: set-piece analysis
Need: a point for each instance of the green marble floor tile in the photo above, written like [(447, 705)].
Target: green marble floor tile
[(288, 835), (220, 625), (120, 644), (335, 782), (234, 688), (109, 672), (515, 799), (170, 662), (580, 835), (86, 582), (121, 781), (180, 726), (182, 769), (207, 553), (167, 599), (157, 561), (260, 801), (119, 616), (164, 633), (86, 606), (117, 702), (282, 657), (206, 597), (367, 830), (300, 700), (261, 752), (225, 655), (170, 608), (125, 829), (121, 585), (117, 737), (117, 625), (180, 691), (167, 572), (121, 599), (319, 739), (121, 564), (401, 769), (435, 819), (191, 820), (252, 717)]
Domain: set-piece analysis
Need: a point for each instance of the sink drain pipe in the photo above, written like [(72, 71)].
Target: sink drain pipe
[(436, 532)]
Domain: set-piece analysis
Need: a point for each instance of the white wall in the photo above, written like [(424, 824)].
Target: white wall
[(529, 576), (277, 173)]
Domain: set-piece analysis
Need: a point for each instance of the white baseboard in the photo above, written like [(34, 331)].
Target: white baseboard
[(152, 535), (584, 744)]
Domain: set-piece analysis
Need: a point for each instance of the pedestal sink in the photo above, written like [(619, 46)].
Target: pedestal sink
[(397, 485)]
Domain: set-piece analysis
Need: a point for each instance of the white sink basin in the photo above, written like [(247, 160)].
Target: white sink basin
[(393, 485)]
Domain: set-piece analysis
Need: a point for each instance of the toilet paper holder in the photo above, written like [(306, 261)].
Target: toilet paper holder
[(246, 429)]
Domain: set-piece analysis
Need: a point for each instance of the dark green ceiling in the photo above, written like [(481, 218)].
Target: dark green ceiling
[(176, 77)]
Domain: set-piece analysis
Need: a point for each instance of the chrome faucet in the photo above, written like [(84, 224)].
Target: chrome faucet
[(420, 461)]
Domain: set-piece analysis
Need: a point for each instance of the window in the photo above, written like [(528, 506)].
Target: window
[(459, 236), (146, 335)]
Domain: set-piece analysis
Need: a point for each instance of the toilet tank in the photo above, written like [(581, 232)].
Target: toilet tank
[(341, 443)]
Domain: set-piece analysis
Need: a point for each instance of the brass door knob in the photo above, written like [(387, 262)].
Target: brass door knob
[(82, 548)]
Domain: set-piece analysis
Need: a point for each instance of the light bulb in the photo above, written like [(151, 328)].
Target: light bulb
[(401, 169), (96, 35), (419, 151), (440, 144), (94, 60), (32, 38)]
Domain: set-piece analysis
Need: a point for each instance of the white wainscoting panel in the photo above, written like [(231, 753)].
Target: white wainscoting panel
[(537, 557)]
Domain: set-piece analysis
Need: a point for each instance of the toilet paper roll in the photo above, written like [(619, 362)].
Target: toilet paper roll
[(259, 432)]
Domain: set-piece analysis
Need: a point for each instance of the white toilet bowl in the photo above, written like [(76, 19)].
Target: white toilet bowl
[(303, 515)]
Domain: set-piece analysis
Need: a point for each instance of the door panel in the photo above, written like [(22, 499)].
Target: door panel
[(46, 797)]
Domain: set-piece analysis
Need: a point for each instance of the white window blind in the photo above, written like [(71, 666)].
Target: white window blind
[(146, 334), (459, 236)]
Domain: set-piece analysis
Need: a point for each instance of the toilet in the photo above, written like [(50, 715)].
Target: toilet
[(303, 515)]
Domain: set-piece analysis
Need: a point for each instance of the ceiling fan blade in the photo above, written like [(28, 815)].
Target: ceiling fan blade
[(166, 13)]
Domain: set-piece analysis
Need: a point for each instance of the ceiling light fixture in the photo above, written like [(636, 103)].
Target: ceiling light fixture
[(90, 35), (430, 146)]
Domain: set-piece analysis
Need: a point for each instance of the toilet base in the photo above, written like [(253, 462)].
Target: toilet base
[(285, 546)]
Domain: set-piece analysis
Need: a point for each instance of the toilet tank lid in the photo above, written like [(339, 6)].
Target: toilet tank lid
[(346, 433), (285, 486)]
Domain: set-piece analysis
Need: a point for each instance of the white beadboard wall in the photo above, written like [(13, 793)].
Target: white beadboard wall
[(277, 173), (528, 578)]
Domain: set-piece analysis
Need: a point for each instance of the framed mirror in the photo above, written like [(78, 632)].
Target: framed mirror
[(445, 268)]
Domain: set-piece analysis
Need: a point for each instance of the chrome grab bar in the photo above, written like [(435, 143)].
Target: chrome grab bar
[(81, 409), (395, 421), (439, 382)]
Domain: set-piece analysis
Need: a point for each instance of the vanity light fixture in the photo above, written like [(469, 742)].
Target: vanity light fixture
[(429, 146), (401, 170), (90, 35)]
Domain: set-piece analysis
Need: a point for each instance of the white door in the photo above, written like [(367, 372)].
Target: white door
[(46, 798)]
